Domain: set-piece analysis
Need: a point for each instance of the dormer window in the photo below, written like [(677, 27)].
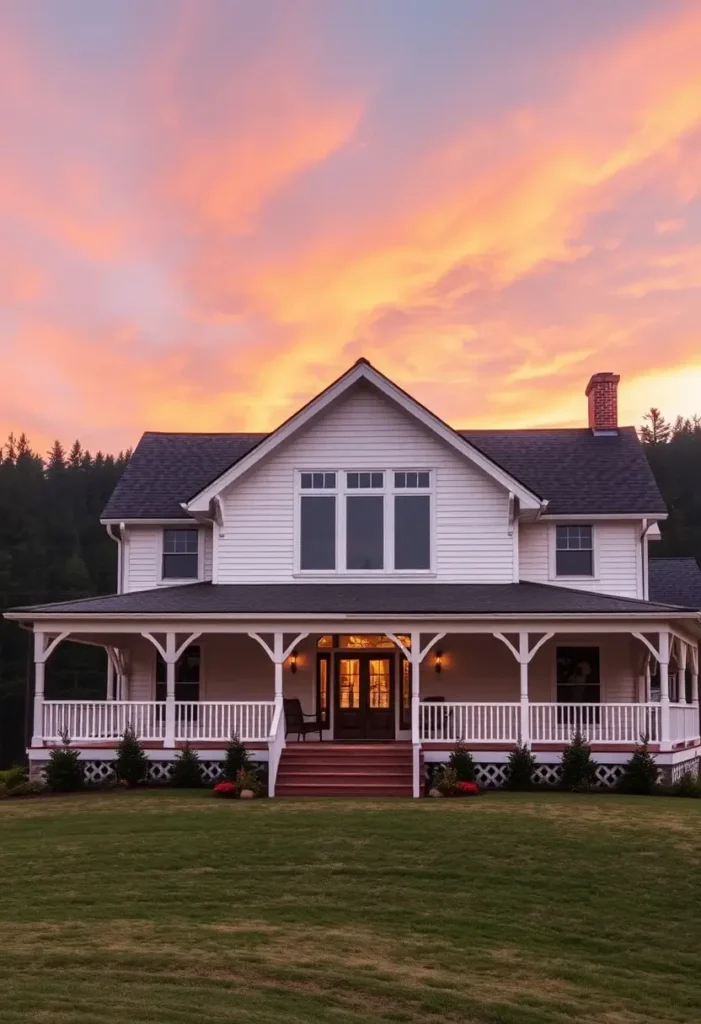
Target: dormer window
[(574, 551), (181, 554), (365, 521)]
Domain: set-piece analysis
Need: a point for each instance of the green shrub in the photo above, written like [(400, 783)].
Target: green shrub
[(247, 778), (64, 772), (22, 789), (520, 769), (577, 767), (11, 777), (187, 769), (689, 785), (463, 764), (132, 765), (640, 774), (236, 760), (445, 780)]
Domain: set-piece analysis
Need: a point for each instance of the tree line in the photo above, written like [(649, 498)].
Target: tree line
[(52, 547)]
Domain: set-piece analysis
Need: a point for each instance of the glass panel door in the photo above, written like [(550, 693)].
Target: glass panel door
[(364, 697)]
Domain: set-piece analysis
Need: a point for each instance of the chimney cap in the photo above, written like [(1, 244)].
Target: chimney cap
[(601, 378)]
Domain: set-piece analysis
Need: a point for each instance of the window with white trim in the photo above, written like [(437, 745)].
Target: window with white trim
[(574, 551), (181, 553), (365, 521)]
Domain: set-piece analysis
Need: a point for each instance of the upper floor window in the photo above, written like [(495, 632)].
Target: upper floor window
[(574, 551), (365, 521), (181, 554)]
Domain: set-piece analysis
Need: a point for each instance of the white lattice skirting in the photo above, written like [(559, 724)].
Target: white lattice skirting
[(493, 776), (159, 771)]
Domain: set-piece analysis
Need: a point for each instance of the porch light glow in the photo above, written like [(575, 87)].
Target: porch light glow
[(293, 662), (438, 663)]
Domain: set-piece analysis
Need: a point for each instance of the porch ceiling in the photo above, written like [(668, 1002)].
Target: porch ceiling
[(381, 599)]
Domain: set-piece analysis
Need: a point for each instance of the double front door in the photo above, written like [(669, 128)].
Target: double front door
[(364, 697)]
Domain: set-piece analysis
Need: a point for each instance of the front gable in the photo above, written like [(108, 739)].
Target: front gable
[(362, 374), (258, 537)]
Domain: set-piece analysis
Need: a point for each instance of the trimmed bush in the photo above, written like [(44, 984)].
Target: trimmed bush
[(236, 760), (577, 767), (187, 769), (445, 780), (64, 772), (21, 789), (132, 765), (520, 769), (12, 777), (689, 785), (640, 774), (463, 764)]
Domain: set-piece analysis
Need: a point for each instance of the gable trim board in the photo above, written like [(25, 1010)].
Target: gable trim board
[(362, 371)]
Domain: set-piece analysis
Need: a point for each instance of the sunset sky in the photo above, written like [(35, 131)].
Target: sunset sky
[(210, 208)]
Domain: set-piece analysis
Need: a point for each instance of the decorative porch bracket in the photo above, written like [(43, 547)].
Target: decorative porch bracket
[(171, 654), (524, 655), (415, 656), (116, 673), (278, 654), (43, 649), (661, 656)]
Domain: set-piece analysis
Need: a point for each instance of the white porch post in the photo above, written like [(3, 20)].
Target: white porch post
[(681, 672), (415, 701), (278, 662), (694, 652), (523, 660), (111, 675), (39, 666), (663, 661), (170, 660)]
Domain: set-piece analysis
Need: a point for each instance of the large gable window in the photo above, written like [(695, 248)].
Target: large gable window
[(574, 551), (365, 521), (181, 554)]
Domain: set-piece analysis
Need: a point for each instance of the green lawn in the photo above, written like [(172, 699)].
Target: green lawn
[(171, 908)]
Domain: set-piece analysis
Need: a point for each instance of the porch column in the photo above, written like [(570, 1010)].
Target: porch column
[(39, 665), (694, 652), (663, 661), (111, 676), (171, 657), (523, 661), (681, 672)]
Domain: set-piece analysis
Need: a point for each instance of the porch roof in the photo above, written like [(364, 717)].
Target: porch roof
[(354, 599)]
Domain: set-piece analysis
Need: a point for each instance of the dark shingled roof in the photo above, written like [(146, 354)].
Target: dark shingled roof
[(675, 581), (356, 599), (577, 472)]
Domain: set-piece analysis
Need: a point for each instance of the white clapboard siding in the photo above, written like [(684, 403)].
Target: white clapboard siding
[(618, 558), (144, 549), (366, 430)]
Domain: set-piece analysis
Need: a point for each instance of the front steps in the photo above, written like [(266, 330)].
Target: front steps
[(345, 769)]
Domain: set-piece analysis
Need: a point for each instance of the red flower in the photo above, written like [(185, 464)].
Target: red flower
[(225, 789), (466, 789)]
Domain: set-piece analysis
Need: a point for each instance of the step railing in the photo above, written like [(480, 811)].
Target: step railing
[(276, 745), (454, 721), (102, 719), (596, 723), (251, 721)]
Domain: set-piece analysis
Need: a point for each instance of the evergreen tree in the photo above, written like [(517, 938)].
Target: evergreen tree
[(187, 769), (235, 760), (640, 774), (64, 772), (577, 767), (131, 765), (520, 769), (655, 430), (463, 764)]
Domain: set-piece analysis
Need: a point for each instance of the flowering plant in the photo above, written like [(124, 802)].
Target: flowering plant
[(225, 789), (466, 789)]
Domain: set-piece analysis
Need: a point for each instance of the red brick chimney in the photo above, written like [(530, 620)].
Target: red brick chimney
[(602, 392)]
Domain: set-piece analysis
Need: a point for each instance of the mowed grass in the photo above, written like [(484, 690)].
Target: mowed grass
[(167, 907)]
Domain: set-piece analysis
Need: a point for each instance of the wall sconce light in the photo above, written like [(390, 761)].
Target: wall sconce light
[(293, 662), (438, 663)]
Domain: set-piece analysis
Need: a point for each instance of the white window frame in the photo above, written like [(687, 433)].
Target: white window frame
[(175, 581), (341, 492), (552, 554)]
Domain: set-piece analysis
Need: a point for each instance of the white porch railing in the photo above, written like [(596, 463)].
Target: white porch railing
[(209, 720), (683, 722), (472, 723), (276, 744), (597, 723), (102, 720)]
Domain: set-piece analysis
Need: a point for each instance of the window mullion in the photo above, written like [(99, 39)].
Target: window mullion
[(388, 495), (341, 540)]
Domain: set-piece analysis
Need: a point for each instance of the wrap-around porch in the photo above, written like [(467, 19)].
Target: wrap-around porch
[(430, 688)]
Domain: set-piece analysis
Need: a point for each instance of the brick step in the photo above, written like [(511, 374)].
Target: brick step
[(336, 767), (341, 790), (348, 755), (329, 775), (342, 759)]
